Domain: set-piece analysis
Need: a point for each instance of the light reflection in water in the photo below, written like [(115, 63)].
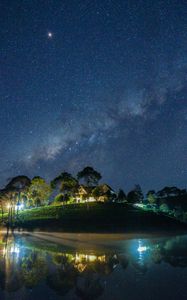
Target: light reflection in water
[(28, 264)]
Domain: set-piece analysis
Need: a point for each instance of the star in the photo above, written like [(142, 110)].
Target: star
[(50, 34)]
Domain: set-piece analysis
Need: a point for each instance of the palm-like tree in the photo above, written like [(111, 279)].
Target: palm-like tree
[(3, 201), (13, 189)]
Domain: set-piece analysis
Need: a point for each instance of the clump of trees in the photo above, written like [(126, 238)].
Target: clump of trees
[(169, 200), (22, 191), (67, 186)]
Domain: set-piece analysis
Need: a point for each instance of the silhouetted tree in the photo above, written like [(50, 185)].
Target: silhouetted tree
[(14, 188), (135, 195), (18, 183), (90, 289), (121, 196), (90, 176), (67, 184), (63, 177), (173, 197), (63, 279), (167, 192)]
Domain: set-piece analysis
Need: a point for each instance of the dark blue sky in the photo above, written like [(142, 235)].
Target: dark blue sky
[(108, 89)]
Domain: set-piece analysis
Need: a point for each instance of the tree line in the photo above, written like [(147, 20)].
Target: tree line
[(21, 191)]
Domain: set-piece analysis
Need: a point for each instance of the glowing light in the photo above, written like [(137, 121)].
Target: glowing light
[(19, 207), (4, 251), (142, 249), (89, 258), (15, 249), (92, 258), (139, 205), (91, 199)]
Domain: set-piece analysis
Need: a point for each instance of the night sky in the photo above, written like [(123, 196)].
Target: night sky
[(94, 82)]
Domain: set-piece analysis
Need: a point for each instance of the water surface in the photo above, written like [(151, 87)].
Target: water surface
[(74, 266)]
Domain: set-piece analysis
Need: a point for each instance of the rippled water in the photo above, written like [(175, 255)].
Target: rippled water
[(93, 267)]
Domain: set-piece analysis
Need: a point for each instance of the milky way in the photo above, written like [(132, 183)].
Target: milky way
[(91, 83)]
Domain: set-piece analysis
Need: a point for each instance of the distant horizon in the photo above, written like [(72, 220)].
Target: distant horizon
[(102, 181)]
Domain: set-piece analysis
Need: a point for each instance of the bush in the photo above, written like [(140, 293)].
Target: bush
[(164, 208), (59, 198)]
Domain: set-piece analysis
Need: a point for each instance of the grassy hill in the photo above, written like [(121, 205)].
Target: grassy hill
[(95, 217)]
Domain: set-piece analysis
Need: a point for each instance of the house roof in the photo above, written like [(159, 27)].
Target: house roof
[(86, 189), (104, 188)]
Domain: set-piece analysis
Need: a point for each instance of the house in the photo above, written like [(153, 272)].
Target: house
[(84, 194), (104, 193), (101, 193)]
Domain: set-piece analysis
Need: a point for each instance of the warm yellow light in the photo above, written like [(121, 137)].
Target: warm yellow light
[(102, 258), (81, 267), (92, 258), (4, 251), (79, 257)]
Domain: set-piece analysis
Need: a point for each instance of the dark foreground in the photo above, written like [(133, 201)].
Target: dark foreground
[(96, 217), (44, 266)]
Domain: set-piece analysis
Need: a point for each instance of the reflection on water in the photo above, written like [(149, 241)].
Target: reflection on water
[(34, 269)]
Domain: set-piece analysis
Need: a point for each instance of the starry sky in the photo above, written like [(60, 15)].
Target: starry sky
[(91, 82)]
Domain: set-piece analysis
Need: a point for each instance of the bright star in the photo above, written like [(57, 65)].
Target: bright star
[(50, 35)]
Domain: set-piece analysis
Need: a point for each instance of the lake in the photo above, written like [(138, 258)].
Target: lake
[(42, 265)]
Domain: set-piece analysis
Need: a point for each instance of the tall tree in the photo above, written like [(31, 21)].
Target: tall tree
[(4, 201), (39, 191), (14, 188), (90, 176), (63, 177), (66, 183), (168, 191), (121, 196), (18, 182), (18, 185), (136, 195), (151, 197)]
